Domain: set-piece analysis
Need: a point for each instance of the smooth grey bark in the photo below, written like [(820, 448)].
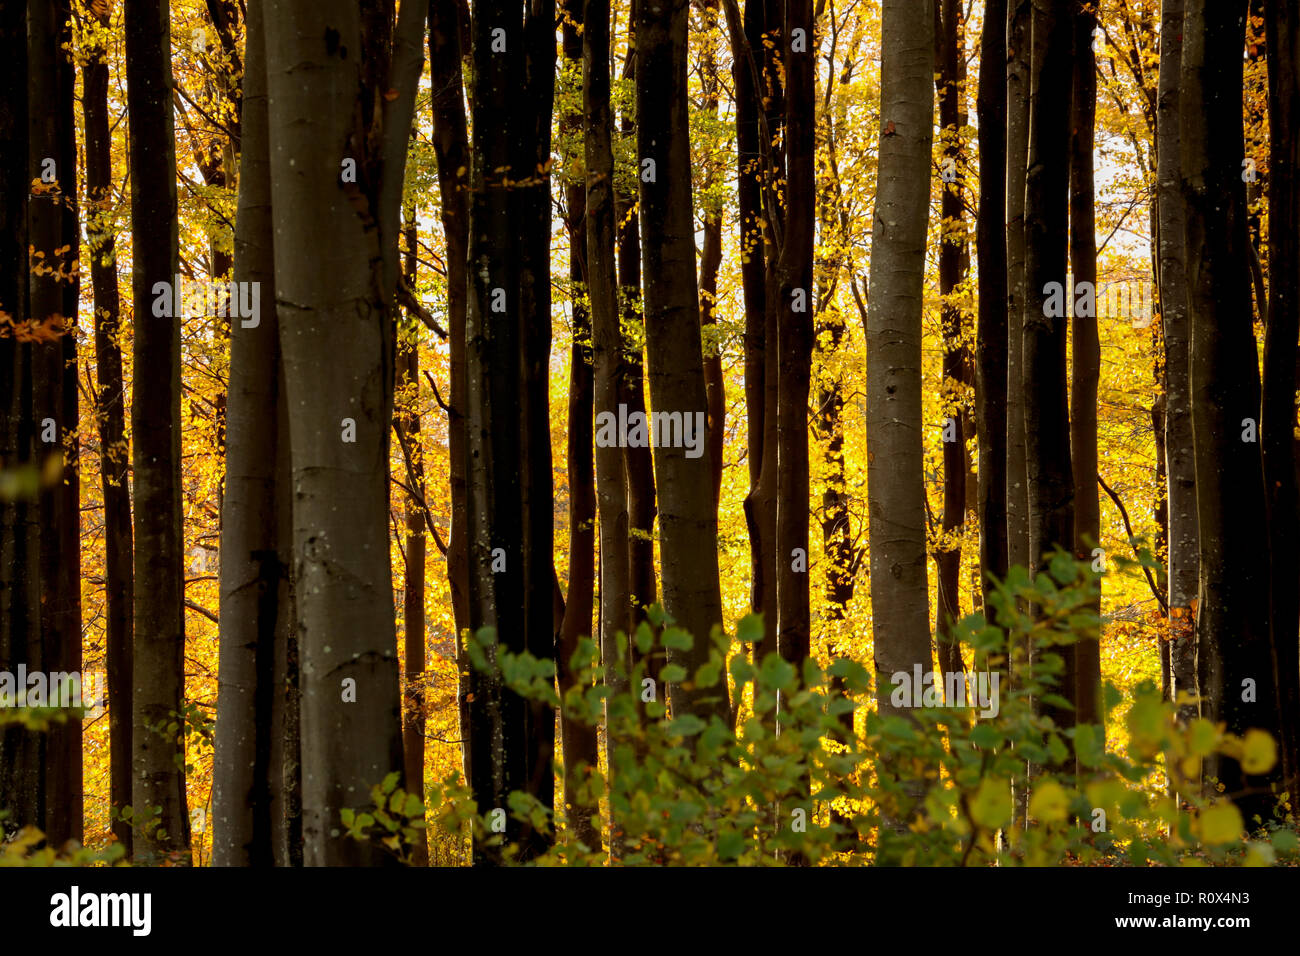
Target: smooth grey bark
[(1180, 465), (895, 482), (1018, 64), (256, 525), (336, 312)]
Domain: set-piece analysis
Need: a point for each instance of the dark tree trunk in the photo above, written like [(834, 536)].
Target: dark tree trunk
[(1233, 610), (1019, 60), (1046, 381), (451, 149), (991, 325), (953, 259), (688, 521), (581, 749), (22, 752), (1085, 372), (159, 655), (1280, 341), (413, 624), (111, 419), (54, 243)]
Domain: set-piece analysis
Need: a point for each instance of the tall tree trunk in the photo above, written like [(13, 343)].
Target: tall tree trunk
[(451, 149), (533, 222), (753, 240), (1180, 465), (54, 243), (255, 628), (638, 462), (688, 521), (1046, 381), (158, 664), (110, 414), (607, 345), (953, 257), (337, 345), (1019, 60), (1233, 656), (21, 751), (991, 324), (895, 481), (1282, 31), (711, 261), (581, 747), (1085, 370), (795, 334), (509, 296), (408, 421)]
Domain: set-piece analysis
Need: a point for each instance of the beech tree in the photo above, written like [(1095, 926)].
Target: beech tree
[(895, 488), (1234, 655), (687, 519), (158, 786)]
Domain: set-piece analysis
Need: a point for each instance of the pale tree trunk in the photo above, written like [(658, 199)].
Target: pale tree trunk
[(688, 522), (1180, 465), (336, 342), (256, 617), (1233, 653), (158, 666), (895, 481)]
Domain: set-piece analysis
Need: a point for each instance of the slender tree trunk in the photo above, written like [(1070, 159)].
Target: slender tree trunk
[(692, 594), (1019, 60), (1085, 371), (1046, 381), (158, 664), (111, 419), (1233, 656), (991, 324), (451, 149), (895, 481), (710, 262), (21, 751), (533, 223), (1180, 468), (581, 747), (953, 257), (54, 244), (1280, 341), (413, 623), (753, 251), (795, 335), (256, 527)]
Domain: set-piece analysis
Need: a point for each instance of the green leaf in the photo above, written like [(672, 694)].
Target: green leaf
[(1220, 823), (676, 639), (673, 673), (750, 629)]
